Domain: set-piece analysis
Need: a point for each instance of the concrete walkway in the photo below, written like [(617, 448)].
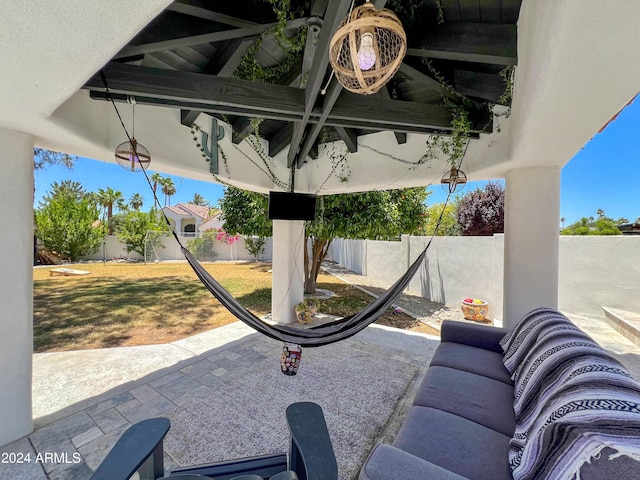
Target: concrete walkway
[(85, 400)]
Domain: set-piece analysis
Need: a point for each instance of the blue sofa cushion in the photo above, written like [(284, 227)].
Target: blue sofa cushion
[(454, 443), (471, 359), (390, 463), (473, 334), (477, 398)]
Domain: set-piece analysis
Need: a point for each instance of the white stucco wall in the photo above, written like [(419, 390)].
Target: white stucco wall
[(594, 271), (350, 254), (460, 267), (170, 250), (599, 272), (387, 261)]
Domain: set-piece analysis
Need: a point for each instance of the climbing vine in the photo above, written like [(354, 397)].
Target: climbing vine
[(507, 74), (454, 145), (291, 42)]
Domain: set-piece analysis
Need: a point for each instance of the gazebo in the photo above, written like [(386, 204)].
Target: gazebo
[(184, 64)]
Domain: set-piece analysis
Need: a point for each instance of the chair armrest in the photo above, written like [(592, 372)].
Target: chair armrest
[(390, 463), (311, 455), (137, 444), (473, 334)]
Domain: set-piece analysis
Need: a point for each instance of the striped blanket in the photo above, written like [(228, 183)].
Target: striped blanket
[(572, 402)]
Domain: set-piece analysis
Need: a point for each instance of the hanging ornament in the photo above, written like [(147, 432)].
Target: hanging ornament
[(132, 155), (454, 180), (368, 48)]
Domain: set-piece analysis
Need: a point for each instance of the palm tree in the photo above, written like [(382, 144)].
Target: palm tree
[(136, 201), (67, 188), (199, 200), (108, 198), (168, 188), (563, 220), (156, 179), (600, 213)]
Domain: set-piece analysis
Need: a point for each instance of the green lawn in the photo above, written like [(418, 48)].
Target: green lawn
[(141, 304)]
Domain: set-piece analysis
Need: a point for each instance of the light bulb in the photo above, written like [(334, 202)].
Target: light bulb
[(366, 53)]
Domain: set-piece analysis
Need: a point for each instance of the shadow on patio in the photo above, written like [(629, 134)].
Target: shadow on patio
[(224, 394)]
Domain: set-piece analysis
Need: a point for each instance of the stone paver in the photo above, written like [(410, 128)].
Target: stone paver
[(81, 439)]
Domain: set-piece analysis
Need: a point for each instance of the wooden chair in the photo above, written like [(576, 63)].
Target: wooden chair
[(311, 455)]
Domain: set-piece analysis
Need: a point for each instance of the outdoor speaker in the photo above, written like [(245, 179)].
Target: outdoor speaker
[(292, 206)]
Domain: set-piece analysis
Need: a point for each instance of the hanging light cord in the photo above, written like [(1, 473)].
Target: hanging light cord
[(131, 99)]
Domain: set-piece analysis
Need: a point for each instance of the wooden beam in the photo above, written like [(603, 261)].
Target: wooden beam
[(195, 10), (187, 117), (280, 140), (336, 11), (434, 120), (420, 77), (401, 137), (330, 98), (225, 62), (233, 96), (329, 101), (198, 88), (223, 65), (240, 129), (388, 113), (480, 85), (349, 137), (471, 42), (203, 106), (182, 42)]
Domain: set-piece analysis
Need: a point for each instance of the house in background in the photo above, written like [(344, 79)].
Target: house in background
[(214, 222), (188, 218), (632, 228)]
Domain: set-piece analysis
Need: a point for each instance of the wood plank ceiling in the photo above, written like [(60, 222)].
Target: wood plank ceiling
[(189, 58)]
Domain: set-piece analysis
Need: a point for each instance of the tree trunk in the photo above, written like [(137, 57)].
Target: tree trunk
[(109, 215), (319, 249)]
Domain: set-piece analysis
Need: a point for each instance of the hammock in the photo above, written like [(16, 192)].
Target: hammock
[(312, 337)]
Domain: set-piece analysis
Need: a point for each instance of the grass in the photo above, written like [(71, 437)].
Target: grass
[(137, 304)]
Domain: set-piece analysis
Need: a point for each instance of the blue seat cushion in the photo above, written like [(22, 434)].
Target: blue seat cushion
[(477, 398), (473, 360), (455, 443)]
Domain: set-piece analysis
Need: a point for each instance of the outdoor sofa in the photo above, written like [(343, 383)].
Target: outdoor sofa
[(542, 401)]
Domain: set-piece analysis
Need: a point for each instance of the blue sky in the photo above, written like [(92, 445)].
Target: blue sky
[(603, 175)]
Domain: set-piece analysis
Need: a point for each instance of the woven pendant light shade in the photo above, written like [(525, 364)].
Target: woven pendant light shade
[(132, 156), (368, 48)]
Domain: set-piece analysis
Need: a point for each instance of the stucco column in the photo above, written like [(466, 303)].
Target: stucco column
[(16, 284), (531, 241), (288, 269)]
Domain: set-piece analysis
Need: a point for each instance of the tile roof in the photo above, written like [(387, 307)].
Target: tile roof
[(189, 209)]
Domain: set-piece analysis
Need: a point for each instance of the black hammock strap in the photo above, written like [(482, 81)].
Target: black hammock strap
[(312, 337)]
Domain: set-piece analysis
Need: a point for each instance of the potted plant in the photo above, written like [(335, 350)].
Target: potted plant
[(475, 309), (306, 310)]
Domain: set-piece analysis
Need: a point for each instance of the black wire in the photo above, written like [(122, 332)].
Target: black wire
[(135, 152)]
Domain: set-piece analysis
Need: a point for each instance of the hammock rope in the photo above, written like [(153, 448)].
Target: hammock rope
[(306, 337)]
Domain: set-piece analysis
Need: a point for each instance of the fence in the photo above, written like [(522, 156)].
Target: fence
[(593, 272), (168, 249)]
